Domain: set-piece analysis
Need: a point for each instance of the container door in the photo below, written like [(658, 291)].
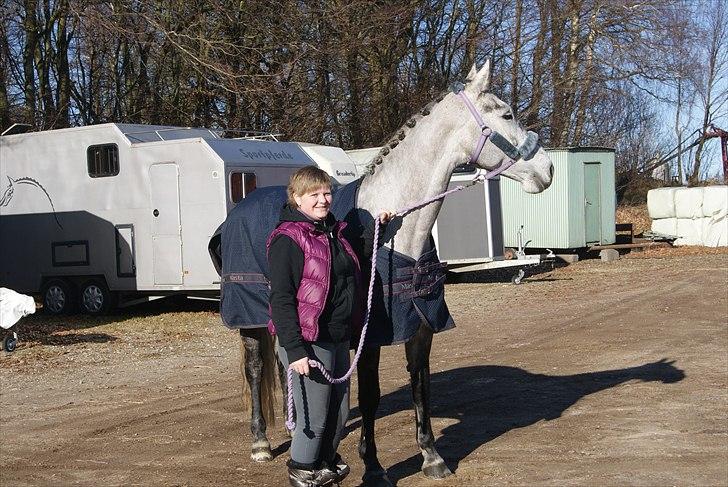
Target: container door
[(166, 228), (592, 207), (463, 227)]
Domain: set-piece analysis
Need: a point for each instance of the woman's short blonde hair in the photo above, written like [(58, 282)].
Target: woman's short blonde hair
[(309, 178)]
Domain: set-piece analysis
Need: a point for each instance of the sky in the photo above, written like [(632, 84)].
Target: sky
[(706, 11)]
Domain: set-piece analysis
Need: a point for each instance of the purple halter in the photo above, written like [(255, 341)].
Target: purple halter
[(526, 150)]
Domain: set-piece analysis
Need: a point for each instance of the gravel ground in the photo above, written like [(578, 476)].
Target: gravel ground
[(591, 374)]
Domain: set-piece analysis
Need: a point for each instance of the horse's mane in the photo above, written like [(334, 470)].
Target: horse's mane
[(402, 132)]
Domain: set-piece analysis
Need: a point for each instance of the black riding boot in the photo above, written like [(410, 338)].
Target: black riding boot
[(307, 477), (337, 469)]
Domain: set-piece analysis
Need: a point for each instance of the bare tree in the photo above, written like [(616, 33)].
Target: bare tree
[(712, 78), (338, 72)]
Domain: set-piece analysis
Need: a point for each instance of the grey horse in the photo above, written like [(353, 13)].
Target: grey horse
[(415, 164)]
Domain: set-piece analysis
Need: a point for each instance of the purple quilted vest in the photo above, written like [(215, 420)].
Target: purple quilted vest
[(314, 287)]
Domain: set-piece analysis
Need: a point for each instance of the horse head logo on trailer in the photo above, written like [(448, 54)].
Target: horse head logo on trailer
[(10, 190)]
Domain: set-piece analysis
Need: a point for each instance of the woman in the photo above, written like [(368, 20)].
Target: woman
[(316, 307)]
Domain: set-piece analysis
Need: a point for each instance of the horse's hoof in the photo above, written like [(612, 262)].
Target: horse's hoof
[(261, 455), (376, 478), (436, 470), (260, 452)]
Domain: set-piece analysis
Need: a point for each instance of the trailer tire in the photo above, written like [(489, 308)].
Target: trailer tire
[(95, 298), (10, 343), (518, 277), (58, 297)]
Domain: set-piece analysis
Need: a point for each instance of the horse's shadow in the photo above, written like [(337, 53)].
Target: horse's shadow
[(492, 400)]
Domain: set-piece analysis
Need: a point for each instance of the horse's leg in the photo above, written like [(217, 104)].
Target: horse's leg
[(418, 365), (369, 394), (282, 376), (260, 449)]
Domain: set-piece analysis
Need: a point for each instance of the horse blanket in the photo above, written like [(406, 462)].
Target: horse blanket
[(406, 291)]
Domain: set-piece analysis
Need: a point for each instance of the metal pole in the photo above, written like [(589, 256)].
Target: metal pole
[(724, 150), (716, 132)]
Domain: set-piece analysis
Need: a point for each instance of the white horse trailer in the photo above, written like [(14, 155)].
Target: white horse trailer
[(92, 214), (334, 161), (468, 231)]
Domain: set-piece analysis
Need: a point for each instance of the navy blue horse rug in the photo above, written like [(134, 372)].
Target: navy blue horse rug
[(239, 255), (406, 290)]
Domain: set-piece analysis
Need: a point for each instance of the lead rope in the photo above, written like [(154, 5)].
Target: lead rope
[(290, 424)]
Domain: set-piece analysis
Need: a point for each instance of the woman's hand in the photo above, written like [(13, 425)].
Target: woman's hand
[(385, 217), (300, 366)]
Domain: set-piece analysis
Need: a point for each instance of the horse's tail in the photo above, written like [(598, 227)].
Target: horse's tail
[(267, 380)]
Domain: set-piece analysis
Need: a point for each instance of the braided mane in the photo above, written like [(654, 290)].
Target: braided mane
[(402, 132)]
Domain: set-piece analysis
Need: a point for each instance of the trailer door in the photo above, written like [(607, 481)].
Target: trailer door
[(166, 228)]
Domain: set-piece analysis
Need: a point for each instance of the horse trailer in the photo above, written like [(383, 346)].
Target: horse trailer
[(105, 214), (89, 215)]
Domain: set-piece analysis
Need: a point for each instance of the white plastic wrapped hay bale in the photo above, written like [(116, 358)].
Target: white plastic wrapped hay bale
[(715, 232), (665, 226), (689, 231), (715, 201), (715, 211), (661, 203), (689, 203)]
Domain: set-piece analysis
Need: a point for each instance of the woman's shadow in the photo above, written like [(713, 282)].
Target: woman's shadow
[(493, 400)]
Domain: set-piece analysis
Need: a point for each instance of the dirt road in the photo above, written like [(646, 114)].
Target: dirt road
[(593, 374)]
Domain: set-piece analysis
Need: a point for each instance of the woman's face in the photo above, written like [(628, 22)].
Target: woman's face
[(316, 203)]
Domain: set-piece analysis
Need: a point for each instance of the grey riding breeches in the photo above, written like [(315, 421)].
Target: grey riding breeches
[(321, 408)]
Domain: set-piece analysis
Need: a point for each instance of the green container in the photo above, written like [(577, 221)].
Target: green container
[(577, 210)]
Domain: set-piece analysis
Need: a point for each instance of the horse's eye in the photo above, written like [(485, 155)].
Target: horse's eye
[(508, 116)]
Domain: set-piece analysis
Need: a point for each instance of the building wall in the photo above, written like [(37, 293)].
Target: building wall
[(555, 218)]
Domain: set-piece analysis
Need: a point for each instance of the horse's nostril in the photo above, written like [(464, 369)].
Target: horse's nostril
[(551, 171)]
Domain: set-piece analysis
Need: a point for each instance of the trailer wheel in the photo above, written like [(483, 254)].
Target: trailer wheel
[(96, 299), (58, 297), (518, 278), (10, 343)]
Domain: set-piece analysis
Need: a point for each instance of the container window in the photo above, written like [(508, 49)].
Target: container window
[(241, 185), (102, 160)]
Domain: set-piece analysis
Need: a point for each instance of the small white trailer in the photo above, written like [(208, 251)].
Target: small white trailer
[(94, 214)]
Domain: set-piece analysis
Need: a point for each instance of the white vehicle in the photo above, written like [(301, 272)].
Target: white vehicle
[(93, 215)]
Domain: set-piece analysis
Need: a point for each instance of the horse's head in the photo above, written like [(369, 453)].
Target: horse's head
[(663, 370), (484, 114)]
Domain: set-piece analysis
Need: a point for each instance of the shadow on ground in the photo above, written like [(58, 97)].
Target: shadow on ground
[(500, 399), (540, 272), (73, 338), (41, 326)]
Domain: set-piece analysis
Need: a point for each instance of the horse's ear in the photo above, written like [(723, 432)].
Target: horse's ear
[(480, 79), (472, 74), (485, 74)]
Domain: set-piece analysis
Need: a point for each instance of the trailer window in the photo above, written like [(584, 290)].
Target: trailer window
[(241, 185), (102, 160)]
